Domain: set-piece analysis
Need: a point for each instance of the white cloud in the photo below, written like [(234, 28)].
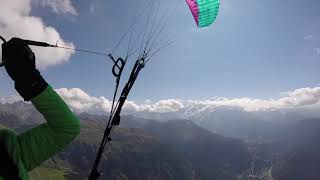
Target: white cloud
[(317, 50), (58, 6), (80, 101), (92, 8), (16, 21), (10, 99), (307, 37), (304, 97)]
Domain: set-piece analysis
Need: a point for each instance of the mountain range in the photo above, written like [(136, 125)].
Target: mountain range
[(144, 148)]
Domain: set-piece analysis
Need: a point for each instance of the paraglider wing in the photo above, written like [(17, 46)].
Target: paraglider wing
[(204, 11)]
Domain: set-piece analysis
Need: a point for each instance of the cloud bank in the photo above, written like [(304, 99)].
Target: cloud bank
[(302, 100), (16, 21), (304, 97), (81, 101)]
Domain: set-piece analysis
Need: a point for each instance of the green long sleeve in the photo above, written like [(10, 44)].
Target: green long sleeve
[(38, 144), (42, 142)]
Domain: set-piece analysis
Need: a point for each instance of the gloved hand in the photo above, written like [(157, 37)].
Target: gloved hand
[(20, 65)]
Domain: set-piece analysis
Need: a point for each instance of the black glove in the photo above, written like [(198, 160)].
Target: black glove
[(20, 65)]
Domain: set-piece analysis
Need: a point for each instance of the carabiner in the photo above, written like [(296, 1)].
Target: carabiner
[(118, 67)]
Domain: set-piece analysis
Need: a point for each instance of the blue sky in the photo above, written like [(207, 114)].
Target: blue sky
[(255, 49)]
